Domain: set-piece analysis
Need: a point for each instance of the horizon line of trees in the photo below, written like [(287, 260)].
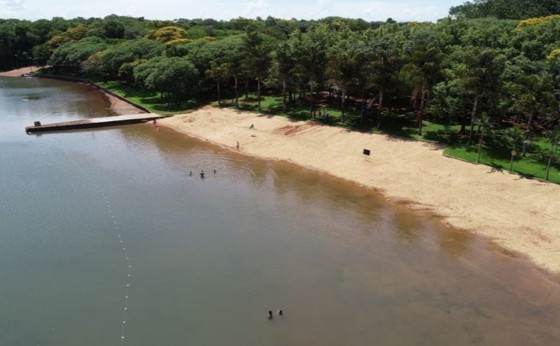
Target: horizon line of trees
[(481, 73)]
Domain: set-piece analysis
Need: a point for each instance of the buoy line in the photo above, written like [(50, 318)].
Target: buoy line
[(124, 250)]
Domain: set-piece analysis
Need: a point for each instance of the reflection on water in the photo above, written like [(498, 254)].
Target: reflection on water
[(211, 256)]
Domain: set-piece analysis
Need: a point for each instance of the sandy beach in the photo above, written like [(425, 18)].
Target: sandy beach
[(18, 72), (518, 214)]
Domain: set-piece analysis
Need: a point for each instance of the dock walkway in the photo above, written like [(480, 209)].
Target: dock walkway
[(93, 122)]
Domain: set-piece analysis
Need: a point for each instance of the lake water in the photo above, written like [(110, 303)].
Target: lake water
[(104, 235)]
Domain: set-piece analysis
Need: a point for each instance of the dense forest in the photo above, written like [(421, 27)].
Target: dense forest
[(490, 72)]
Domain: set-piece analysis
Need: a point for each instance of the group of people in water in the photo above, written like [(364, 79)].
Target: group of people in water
[(270, 315), (202, 174)]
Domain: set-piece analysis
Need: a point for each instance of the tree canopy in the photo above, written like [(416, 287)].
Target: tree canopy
[(486, 66)]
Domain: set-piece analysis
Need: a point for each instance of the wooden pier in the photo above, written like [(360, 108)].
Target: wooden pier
[(93, 122)]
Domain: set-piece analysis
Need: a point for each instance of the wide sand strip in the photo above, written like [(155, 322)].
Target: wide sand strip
[(519, 214)]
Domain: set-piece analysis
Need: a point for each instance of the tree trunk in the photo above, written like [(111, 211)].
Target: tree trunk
[(511, 163), (552, 155), (219, 94), (473, 117), (246, 90), (342, 106), (529, 125), (480, 141), (284, 106), (259, 93), (548, 167), (236, 93), (379, 108), (420, 113), (363, 110), (311, 99), (524, 147)]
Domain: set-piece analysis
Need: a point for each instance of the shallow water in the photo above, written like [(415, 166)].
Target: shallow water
[(209, 257)]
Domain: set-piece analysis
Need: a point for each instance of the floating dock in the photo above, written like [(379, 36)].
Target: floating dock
[(93, 122)]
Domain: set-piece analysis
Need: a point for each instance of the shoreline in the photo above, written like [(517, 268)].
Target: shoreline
[(515, 213), (19, 72), (120, 107), (117, 105)]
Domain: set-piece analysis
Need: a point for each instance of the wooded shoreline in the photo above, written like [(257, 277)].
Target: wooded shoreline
[(516, 213)]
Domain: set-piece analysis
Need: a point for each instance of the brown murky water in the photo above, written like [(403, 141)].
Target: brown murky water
[(104, 227)]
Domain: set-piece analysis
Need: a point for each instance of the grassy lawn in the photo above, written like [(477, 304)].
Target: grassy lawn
[(272, 105), (531, 166), (150, 100)]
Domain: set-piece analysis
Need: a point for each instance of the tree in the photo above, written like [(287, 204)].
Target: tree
[(480, 71), (531, 87), (485, 129), (346, 62), (232, 48), (113, 29), (311, 57), (219, 73), (284, 64), (423, 70), (256, 59), (175, 76), (167, 34), (505, 9), (73, 54), (71, 35), (554, 140), (128, 51), (513, 137), (382, 70)]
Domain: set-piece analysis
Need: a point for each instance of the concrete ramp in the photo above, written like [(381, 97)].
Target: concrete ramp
[(93, 122)]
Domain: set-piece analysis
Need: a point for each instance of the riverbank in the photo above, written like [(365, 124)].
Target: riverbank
[(118, 106), (516, 213), (19, 72)]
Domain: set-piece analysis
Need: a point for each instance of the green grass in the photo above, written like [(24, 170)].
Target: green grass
[(272, 105), (150, 100), (532, 166)]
